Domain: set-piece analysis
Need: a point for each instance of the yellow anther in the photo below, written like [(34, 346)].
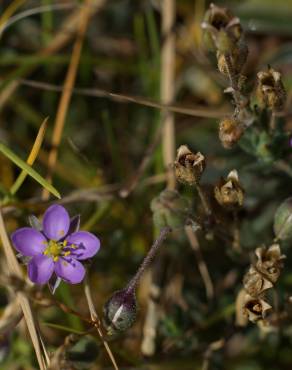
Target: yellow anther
[(65, 243), (67, 253), (55, 259)]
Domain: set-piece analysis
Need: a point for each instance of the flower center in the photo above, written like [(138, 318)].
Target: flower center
[(55, 249)]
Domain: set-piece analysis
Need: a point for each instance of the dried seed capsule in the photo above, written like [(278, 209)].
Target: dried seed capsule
[(270, 262), (283, 220), (170, 209), (189, 166), (230, 131), (229, 193), (255, 283), (221, 29), (255, 308), (237, 59), (270, 90)]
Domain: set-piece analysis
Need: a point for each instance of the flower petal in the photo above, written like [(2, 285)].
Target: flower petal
[(70, 270), (40, 269), (87, 243), (56, 222), (28, 241)]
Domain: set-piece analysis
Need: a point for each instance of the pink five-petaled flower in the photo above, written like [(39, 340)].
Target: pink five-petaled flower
[(54, 248)]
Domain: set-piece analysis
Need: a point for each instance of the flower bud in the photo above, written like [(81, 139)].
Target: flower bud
[(254, 283), (270, 262), (270, 90), (170, 209), (229, 193), (255, 308), (120, 311), (188, 166), (230, 131), (283, 220), (221, 29)]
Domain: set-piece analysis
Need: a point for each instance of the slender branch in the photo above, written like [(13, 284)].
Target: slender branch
[(30, 318), (133, 182), (201, 262), (97, 322), (149, 258), (124, 98), (204, 199)]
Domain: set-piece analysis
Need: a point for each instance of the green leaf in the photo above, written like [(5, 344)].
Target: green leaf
[(30, 171)]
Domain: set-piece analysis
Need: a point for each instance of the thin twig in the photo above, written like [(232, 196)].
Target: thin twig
[(149, 258), (201, 262), (124, 98), (97, 322), (31, 321), (204, 199), (132, 183), (70, 25)]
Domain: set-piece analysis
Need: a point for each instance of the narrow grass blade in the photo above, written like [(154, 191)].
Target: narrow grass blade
[(30, 171), (31, 158)]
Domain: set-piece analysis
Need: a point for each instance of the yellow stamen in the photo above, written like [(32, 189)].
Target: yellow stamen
[(55, 259)]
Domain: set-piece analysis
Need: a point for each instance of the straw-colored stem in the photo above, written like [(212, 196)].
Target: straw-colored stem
[(168, 87), (30, 318), (97, 323), (202, 266), (67, 93)]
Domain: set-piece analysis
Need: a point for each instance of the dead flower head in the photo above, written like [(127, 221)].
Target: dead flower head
[(270, 90), (230, 131), (229, 193), (221, 29), (270, 262), (255, 283), (189, 166), (256, 308)]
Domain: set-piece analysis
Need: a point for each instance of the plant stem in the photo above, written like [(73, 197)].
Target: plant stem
[(149, 258), (167, 88), (97, 323)]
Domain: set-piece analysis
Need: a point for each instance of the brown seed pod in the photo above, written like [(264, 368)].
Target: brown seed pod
[(255, 283), (237, 59), (189, 166), (256, 308), (222, 30), (270, 89), (230, 131), (270, 262), (229, 193)]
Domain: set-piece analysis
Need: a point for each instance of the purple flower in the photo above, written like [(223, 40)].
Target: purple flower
[(54, 248)]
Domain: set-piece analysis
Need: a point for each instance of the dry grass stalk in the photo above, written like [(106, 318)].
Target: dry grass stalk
[(95, 318), (85, 14), (65, 34), (201, 262), (168, 87), (30, 318)]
